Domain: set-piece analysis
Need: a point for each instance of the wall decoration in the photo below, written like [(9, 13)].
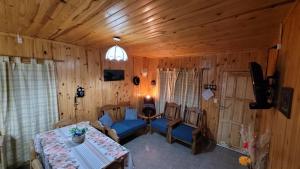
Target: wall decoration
[(136, 80), (80, 91), (153, 82), (285, 101), (210, 86)]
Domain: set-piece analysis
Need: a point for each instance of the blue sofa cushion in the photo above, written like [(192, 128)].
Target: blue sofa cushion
[(183, 132), (125, 127), (160, 124), (130, 114), (106, 120)]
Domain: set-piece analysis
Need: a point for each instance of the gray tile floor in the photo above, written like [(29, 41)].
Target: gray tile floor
[(153, 152)]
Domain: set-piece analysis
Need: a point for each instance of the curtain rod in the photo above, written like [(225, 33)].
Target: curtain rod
[(28, 58), (180, 69)]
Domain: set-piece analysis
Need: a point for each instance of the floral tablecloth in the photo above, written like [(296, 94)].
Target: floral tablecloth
[(58, 151)]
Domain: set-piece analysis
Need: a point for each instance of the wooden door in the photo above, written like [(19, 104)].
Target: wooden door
[(234, 108)]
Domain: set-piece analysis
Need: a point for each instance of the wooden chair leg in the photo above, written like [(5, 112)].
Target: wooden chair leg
[(150, 127), (36, 164), (169, 135), (194, 147), (33, 154)]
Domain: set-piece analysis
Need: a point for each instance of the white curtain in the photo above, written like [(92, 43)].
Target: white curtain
[(28, 104), (166, 81), (187, 91), (179, 86)]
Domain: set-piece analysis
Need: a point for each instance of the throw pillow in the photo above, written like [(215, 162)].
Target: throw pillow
[(106, 120), (130, 114)]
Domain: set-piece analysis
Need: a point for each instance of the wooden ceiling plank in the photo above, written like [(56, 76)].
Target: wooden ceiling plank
[(188, 27), (86, 11), (188, 21), (161, 16), (83, 16), (243, 23), (109, 12), (246, 23), (40, 11), (98, 27), (157, 27)]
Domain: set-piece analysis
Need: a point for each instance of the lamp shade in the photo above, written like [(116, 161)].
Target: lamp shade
[(116, 53)]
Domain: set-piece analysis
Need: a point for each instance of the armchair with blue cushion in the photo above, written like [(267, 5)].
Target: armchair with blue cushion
[(160, 121), (120, 121), (190, 129)]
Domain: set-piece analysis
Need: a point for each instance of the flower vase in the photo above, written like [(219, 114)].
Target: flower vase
[(78, 139)]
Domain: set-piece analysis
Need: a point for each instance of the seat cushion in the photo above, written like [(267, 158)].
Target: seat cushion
[(125, 127), (183, 132), (160, 124)]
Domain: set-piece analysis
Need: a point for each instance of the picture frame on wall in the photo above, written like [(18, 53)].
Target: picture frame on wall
[(285, 101)]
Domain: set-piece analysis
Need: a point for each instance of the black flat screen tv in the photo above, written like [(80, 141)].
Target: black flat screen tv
[(113, 75), (260, 87)]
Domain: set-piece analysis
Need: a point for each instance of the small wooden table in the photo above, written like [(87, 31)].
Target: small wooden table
[(2, 149)]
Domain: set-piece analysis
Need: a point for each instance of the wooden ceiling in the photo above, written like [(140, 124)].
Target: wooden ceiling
[(149, 28)]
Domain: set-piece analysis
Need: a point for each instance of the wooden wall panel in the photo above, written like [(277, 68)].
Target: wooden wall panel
[(81, 66), (286, 132), (216, 64)]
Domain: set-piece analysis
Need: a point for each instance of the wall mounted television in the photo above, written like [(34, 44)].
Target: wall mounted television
[(261, 88), (113, 75)]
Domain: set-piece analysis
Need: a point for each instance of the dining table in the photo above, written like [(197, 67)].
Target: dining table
[(56, 150)]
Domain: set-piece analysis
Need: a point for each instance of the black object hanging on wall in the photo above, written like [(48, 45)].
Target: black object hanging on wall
[(285, 101), (265, 90), (136, 80), (80, 92)]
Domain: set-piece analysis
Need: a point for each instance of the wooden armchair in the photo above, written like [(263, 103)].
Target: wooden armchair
[(189, 130), (159, 122), (121, 127)]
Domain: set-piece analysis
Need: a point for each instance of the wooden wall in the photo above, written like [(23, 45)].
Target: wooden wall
[(285, 140), (81, 66), (216, 64)]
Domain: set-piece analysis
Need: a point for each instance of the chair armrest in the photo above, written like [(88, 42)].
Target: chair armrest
[(196, 134), (174, 122), (96, 125), (142, 116), (113, 134), (155, 116)]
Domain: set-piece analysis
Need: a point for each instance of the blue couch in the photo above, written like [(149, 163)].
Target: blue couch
[(121, 125), (124, 128)]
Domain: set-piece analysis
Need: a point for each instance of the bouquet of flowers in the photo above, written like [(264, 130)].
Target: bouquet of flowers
[(78, 134), (256, 149), (245, 161), (248, 139)]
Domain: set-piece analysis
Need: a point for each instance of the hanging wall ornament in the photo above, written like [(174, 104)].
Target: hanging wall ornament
[(136, 80), (80, 91)]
